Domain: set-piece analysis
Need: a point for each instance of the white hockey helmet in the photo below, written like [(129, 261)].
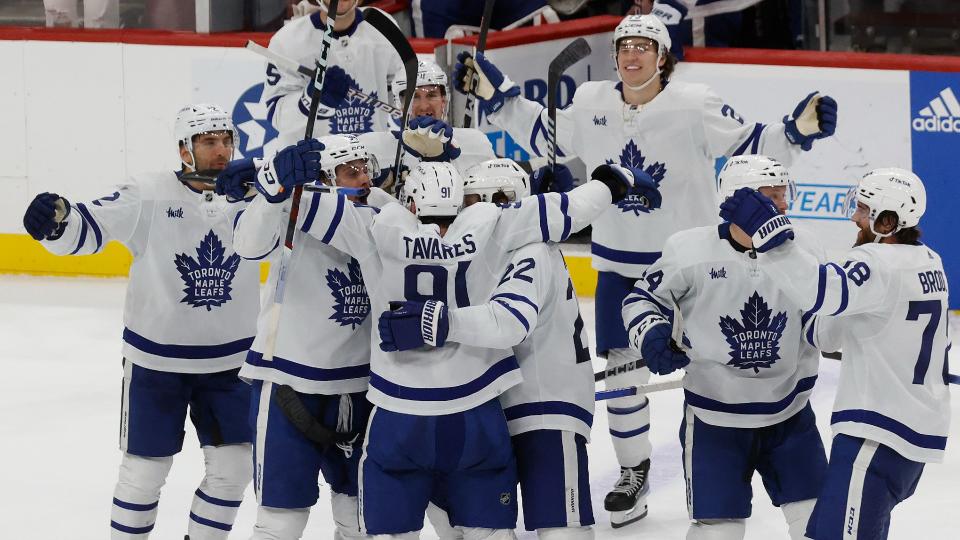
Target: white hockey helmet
[(648, 26), (201, 118), (340, 149), (436, 188), (754, 171), (501, 175), (429, 73), (889, 189)]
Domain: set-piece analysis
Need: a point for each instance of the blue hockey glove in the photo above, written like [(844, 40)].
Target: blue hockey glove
[(336, 84), (656, 349), (478, 76), (758, 217), (547, 180), (235, 179), (294, 165), (430, 139), (41, 219), (815, 117), (410, 325), (624, 181)]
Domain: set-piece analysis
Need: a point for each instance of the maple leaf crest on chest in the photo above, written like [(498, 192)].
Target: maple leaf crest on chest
[(357, 115), (754, 339), (631, 156), (351, 305), (207, 278)]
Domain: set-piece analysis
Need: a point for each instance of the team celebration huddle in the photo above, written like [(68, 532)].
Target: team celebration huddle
[(419, 348)]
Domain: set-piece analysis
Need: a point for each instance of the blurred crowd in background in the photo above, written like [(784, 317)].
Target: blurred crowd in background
[(900, 26)]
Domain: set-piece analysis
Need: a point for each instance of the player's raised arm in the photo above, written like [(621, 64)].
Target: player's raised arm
[(553, 217), (728, 134)]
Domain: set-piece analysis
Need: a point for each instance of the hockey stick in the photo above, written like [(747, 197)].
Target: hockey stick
[(648, 388), (481, 46), (577, 50), (617, 370), (389, 30), (273, 324), (290, 66), (210, 182)]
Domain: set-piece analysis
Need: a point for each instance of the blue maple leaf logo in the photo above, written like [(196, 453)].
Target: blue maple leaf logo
[(755, 339), (351, 305), (208, 277), (356, 116), (631, 157)]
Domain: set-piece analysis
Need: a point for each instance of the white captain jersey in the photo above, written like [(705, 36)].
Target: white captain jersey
[(886, 306), (675, 138), (749, 366), (474, 148), (191, 304), (323, 339), (361, 51), (404, 259), (534, 309)]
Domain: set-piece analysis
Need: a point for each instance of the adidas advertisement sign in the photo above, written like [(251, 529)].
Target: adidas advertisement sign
[(941, 115)]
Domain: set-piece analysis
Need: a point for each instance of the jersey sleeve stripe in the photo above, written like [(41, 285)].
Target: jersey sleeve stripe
[(644, 295), (886, 423), (766, 408), (311, 213), (541, 408), (518, 298), (236, 218), (544, 230), (311, 373), (752, 140), (83, 236), (630, 257), (844, 288), (636, 320), (335, 222), (186, 352), (264, 256), (537, 129), (567, 222), (93, 224), (821, 292), (811, 339), (515, 313), (397, 391)]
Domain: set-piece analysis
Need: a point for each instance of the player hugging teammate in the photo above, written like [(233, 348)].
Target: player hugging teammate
[(477, 377)]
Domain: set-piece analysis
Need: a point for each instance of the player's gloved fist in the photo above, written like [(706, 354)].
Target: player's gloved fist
[(430, 139), (815, 117), (409, 325), (653, 339), (547, 180), (336, 84), (237, 179), (44, 215), (624, 181), (478, 76), (294, 165), (759, 218)]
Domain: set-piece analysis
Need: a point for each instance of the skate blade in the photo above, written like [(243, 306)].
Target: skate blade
[(622, 519)]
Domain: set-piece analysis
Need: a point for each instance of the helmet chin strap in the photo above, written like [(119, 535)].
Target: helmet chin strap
[(655, 76)]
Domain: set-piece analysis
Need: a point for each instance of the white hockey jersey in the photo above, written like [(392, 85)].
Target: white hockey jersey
[(403, 259), (191, 304), (367, 57), (323, 339), (534, 310), (675, 138), (748, 365), (474, 147), (886, 306)]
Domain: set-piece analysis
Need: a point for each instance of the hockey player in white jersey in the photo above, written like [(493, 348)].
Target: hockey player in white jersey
[(435, 412), (309, 404), (189, 318), (886, 307), (361, 58), (533, 310), (748, 378), (671, 130), (428, 136)]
